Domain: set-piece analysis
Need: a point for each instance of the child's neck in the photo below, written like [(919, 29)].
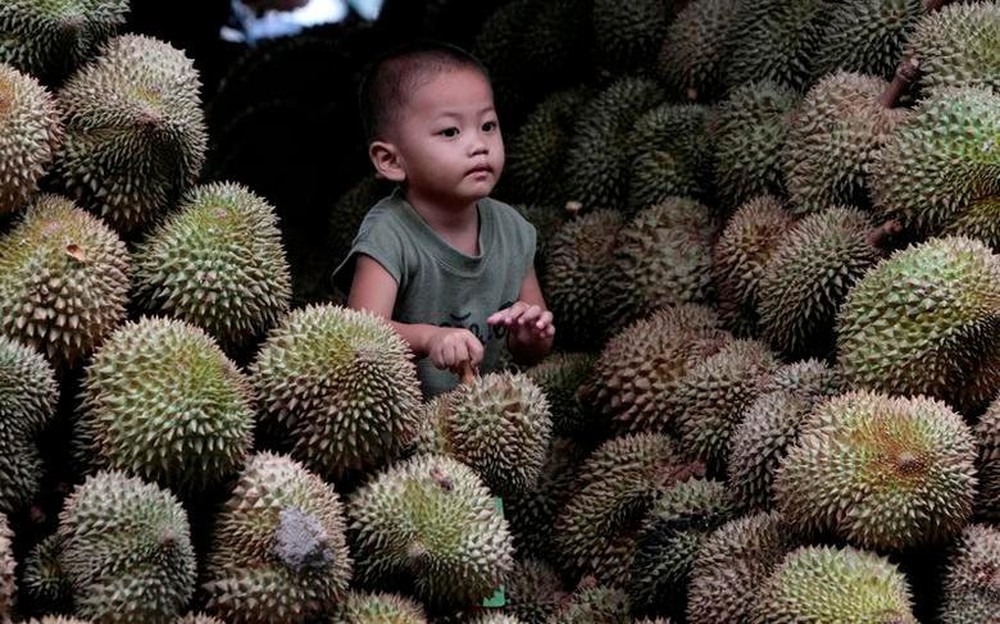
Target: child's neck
[(457, 224)]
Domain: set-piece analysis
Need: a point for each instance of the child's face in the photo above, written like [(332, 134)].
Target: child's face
[(448, 138)]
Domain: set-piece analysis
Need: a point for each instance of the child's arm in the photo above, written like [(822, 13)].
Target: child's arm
[(374, 289), (529, 323)]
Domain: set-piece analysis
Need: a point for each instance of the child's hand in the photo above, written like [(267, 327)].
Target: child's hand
[(526, 323), (453, 348)]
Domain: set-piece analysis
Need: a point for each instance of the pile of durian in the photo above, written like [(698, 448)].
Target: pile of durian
[(768, 232)]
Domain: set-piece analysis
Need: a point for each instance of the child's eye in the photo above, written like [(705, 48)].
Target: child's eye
[(449, 132), (490, 126)]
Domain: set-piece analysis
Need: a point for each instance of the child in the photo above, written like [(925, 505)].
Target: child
[(450, 268)]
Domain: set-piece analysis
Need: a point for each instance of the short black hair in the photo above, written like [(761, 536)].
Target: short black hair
[(388, 79)]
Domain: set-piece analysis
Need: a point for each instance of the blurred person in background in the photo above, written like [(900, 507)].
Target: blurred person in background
[(253, 20)]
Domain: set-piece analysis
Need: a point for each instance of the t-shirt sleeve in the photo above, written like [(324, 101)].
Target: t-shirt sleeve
[(378, 239)]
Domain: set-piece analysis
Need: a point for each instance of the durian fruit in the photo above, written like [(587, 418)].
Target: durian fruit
[(709, 400), (578, 260), (776, 40), (135, 132), (771, 424), (987, 432), (430, 521), (956, 46), (499, 425), (28, 396), (866, 36), (8, 585), (217, 263), (50, 39), (662, 257), (595, 533), (597, 162), (30, 132), (533, 591), (43, 578), (834, 135), (279, 550), (198, 618), (592, 602), (496, 618), (537, 151), (972, 577), (732, 564), (531, 515), (57, 619), (378, 608), (124, 548), (749, 129), (628, 35), (933, 337), (560, 376), (740, 256), (825, 584), (339, 384), (979, 220), (637, 373), (160, 400), (808, 276), (695, 49), (670, 155), (499, 45), (941, 160), (671, 535), (881, 472), (64, 279)]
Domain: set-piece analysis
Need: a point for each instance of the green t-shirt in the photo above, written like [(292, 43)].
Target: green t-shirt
[(439, 285)]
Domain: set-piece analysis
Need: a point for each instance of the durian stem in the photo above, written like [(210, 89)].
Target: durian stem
[(468, 374), (933, 5), (907, 72), (878, 237)]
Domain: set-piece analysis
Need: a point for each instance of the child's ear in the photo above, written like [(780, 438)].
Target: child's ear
[(386, 159)]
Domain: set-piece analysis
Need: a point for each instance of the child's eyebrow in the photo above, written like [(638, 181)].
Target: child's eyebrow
[(458, 115)]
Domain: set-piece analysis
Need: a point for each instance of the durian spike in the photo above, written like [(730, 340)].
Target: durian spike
[(907, 73), (880, 236)]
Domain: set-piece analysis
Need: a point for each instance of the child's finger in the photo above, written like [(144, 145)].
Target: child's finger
[(544, 320)]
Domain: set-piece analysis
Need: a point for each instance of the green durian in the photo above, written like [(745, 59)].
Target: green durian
[(740, 256), (579, 257), (217, 262), (499, 425), (834, 135), (639, 369), (662, 257), (429, 521), (749, 129), (51, 39), (553, 41), (957, 46), (536, 154), (979, 220), (496, 618), (378, 608), (825, 584), (28, 397), (597, 162), (64, 279), (57, 619), (135, 132), (161, 401), (8, 580), (124, 548), (340, 386), (932, 337), (43, 578), (731, 565), (696, 48), (628, 35), (866, 36), (670, 155), (941, 161), (776, 40), (808, 277), (279, 549), (771, 424), (533, 591), (594, 603), (987, 432), (198, 618), (671, 534), (595, 533), (881, 472), (971, 583), (30, 132), (498, 45), (560, 376)]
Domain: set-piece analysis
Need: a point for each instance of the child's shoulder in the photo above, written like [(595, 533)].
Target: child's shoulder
[(506, 214)]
